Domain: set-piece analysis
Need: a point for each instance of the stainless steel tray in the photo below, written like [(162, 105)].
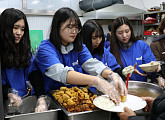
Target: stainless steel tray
[(144, 89), (86, 115), (51, 114), (47, 115)]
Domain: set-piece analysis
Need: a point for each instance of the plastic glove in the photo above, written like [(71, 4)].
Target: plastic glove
[(128, 70), (156, 62), (42, 103), (14, 99), (118, 83), (107, 88), (161, 82)]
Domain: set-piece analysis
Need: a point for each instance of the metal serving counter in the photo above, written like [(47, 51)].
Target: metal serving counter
[(51, 114)]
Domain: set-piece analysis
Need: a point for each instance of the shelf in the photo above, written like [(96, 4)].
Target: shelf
[(151, 36), (153, 12), (147, 27), (151, 24)]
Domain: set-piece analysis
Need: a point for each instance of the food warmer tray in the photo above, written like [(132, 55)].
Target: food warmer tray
[(51, 114), (85, 115)]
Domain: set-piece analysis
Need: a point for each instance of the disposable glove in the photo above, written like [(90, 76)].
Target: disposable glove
[(161, 82), (42, 103), (156, 62), (14, 99), (128, 70), (118, 83), (107, 88)]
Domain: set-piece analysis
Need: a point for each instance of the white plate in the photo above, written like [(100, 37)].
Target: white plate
[(133, 102)]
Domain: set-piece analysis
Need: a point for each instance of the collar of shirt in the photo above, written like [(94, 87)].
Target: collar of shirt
[(125, 46), (67, 49)]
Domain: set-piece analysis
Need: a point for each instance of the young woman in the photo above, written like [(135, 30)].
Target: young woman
[(128, 50), (16, 54), (62, 57), (93, 38)]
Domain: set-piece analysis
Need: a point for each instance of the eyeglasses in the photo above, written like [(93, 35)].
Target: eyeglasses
[(73, 29)]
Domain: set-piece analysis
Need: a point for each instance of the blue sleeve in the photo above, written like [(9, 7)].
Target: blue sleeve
[(46, 56), (111, 60), (148, 56), (84, 55)]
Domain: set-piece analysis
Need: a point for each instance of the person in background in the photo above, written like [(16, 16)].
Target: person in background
[(128, 50), (108, 37), (156, 107), (158, 46), (62, 58), (16, 56), (93, 38)]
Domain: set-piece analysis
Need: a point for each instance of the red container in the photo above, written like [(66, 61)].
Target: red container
[(148, 32), (148, 21)]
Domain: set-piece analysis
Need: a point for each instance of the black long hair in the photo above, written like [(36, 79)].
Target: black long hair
[(114, 46), (12, 54), (161, 26), (88, 29), (60, 17)]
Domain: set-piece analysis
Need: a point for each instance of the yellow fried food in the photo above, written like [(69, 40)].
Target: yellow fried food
[(85, 90), (70, 102), (60, 100), (60, 92), (65, 97), (75, 99), (86, 96), (123, 98), (57, 90), (68, 93), (64, 104), (63, 88), (57, 97)]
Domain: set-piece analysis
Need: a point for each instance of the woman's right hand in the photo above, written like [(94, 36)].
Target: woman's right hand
[(107, 88), (15, 100)]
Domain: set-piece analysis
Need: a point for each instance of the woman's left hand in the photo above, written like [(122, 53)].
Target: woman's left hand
[(159, 67), (161, 82), (42, 105)]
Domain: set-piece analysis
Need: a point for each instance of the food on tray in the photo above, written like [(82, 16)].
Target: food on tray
[(123, 98), (104, 102), (75, 99)]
